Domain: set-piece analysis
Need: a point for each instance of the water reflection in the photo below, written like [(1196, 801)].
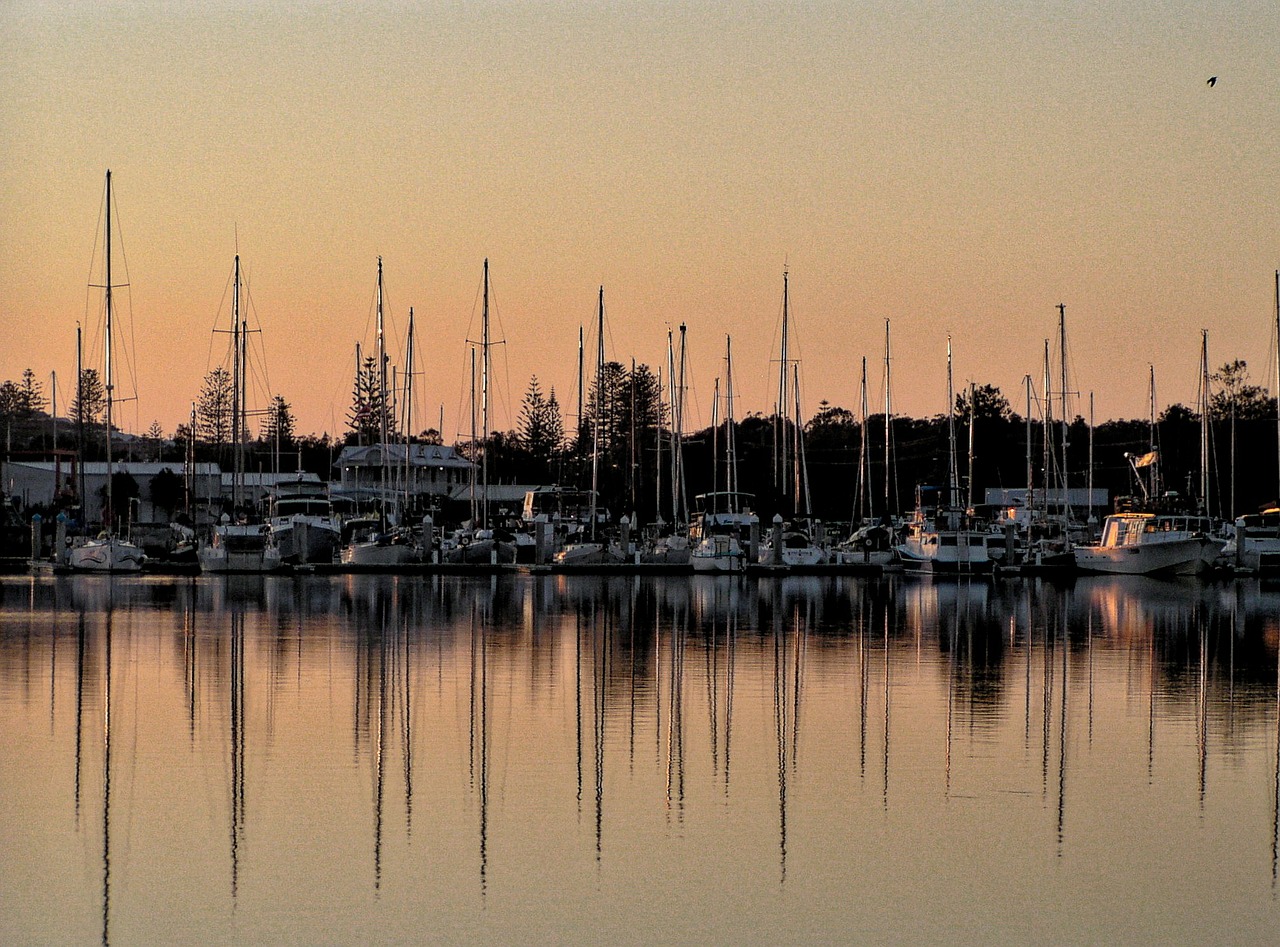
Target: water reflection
[(487, 733)]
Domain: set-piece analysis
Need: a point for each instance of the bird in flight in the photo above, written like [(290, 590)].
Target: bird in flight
[(1212, 81)]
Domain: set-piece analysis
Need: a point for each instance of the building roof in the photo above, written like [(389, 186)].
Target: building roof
[(269, 480), (497, 492), (421, 455), (98, 468)]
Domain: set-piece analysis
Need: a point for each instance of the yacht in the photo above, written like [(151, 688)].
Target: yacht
[(721, 532), (240, 547), (1255, 545), (304, 524), (1139, 541), (945, 542)]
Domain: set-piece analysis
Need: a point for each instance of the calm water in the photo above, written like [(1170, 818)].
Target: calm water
[(579, 760)]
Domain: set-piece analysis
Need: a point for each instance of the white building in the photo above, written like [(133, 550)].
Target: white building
[(38, 482), (433, 470), (1012, 502)]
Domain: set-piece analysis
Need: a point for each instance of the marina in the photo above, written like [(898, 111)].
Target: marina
[(639, 473)]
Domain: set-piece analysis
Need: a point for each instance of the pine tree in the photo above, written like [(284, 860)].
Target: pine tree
[(533, 418), (93, 396), (368, 406), (553, 423), (31, 395), (278, 426), (155, 435), (214, 408)]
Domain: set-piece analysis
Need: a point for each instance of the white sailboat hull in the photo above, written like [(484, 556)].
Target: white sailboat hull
[(718, 554), (106, 555), (946, 553), (379, 554)]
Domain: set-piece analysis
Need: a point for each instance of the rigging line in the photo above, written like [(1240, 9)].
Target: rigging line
[(208, 359), (131, 352), (260, 332)]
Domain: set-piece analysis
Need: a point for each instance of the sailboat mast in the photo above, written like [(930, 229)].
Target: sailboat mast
[(1278, 385), (237, 393), (803, 506), (408, 410), (80, 409), (595, 436), (472, 476), (730, 449), (1030, 469), (973, 423), (578, 436), (657, 462), (680, 516), (674, 400), (780, 475), (863, 501), (484, 405), (1089, 485), (109, 387), (1066, 416), (382, 406), (715, 437), (1050, 474), (953, 473), (1151, 427), (1204, 420), (888, 427)]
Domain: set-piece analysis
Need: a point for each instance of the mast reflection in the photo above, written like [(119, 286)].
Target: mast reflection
[(734, 676)]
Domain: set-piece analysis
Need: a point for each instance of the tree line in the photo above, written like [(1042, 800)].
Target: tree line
[(623, 442)]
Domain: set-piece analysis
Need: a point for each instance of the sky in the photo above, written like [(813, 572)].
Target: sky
[(953, 168)]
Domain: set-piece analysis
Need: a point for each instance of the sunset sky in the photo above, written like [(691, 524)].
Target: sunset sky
[(953, 167)]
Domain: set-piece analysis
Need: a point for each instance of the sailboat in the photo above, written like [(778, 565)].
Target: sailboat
[(107, 553), (592, 549), (941, 537), (672, 548), (871, 541), (237, 545), (797, 546), (385, 546), (1255, 543), (723, 526), (479, 544)]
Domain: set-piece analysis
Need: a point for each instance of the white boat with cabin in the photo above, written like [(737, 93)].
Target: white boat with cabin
[(721, 532), (1146, 542), (1255, 544), (304, 524)]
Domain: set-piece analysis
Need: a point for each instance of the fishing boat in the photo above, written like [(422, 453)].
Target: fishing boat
[(108, 552), (1155, 532), (1139, 541), (944, 540)]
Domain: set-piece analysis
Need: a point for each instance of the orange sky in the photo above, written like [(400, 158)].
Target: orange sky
[(957, 168)]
